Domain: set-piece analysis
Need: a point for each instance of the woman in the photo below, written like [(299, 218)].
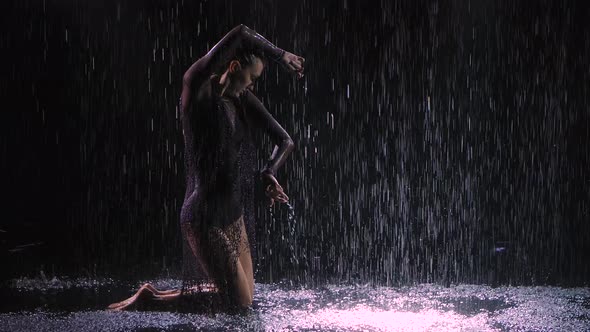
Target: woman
[(219, 113)]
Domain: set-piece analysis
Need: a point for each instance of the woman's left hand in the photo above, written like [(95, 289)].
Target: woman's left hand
[(293, 63), (273, 189)]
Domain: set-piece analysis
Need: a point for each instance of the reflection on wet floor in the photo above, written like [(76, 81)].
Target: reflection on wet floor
[(78, 305)]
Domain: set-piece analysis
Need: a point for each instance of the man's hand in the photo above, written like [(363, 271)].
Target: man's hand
[(293, 63), (273, 189)]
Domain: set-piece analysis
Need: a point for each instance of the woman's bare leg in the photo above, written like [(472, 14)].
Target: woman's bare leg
[(246, 259), (195, 245), (161, 292), (148, 292), (145, 293), (224, 252), (243, 281)]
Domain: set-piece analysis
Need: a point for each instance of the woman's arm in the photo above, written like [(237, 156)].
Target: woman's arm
[(225, 49), (262, 119)]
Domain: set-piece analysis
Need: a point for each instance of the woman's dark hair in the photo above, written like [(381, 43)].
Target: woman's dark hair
[(247, 56)]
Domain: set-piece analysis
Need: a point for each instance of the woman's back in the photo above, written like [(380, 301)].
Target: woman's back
[(214, 129)]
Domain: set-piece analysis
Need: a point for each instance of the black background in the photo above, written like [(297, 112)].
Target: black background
[(443, 131)]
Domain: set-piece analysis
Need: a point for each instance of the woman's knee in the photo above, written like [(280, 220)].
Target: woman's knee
[(225, 260), (235, 282), (242, 297), (245, 303)]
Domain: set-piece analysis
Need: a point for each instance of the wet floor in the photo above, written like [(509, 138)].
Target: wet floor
[(78, 305)]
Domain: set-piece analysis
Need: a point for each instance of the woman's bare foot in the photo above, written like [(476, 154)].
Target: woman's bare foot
[(159, 292), (146, 292), (149, 292)]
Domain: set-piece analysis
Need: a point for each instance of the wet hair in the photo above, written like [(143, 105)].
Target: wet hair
[(247, 56)]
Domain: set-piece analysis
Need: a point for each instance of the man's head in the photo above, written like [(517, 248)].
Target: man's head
[(244, 69)]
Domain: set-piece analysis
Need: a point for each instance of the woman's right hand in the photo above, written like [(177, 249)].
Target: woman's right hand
[(273, 189), (293, 63)]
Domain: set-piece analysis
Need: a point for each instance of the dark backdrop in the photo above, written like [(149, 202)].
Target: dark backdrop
[(436, 141)]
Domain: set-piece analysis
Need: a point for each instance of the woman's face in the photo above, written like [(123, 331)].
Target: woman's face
[(243, 78)]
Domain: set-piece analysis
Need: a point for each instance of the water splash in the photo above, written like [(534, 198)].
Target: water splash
[(290, 236)]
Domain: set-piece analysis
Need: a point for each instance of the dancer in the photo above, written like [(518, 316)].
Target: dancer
[(219, 113)]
